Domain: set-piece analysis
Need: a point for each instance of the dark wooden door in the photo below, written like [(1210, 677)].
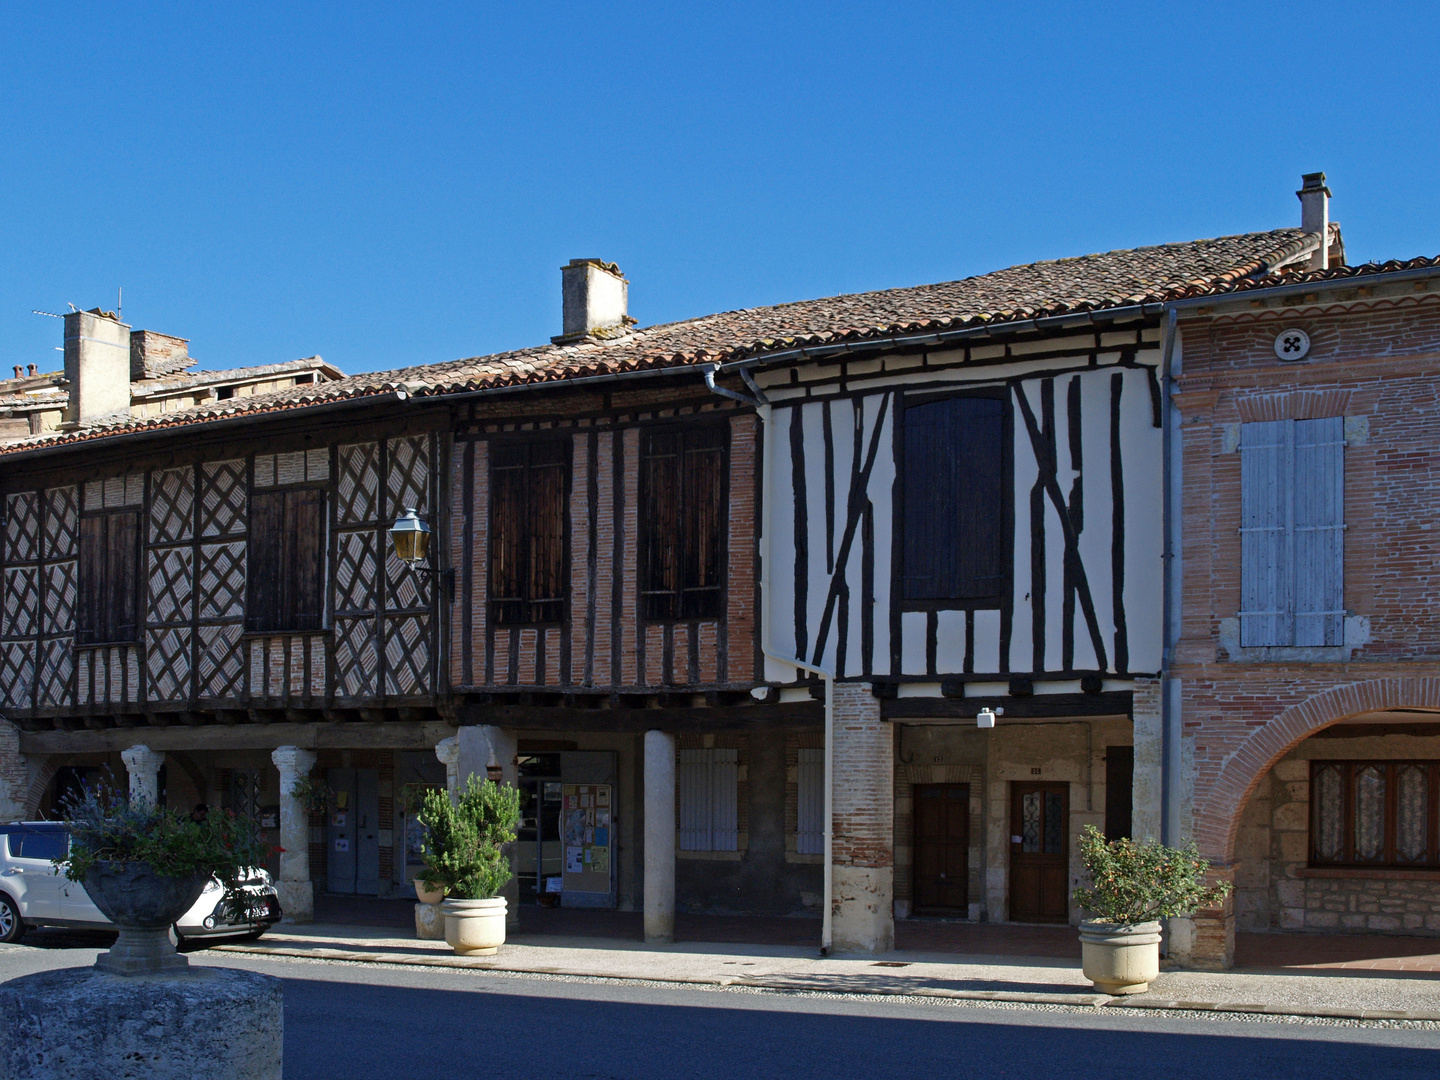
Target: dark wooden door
[(1039, 852), (942, 846)]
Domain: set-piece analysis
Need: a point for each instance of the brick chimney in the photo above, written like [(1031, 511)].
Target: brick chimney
[(1315, 216), (97, 364), (595, 296), (154, 356)]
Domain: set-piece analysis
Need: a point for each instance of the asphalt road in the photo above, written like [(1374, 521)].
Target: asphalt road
[(354, 1022)]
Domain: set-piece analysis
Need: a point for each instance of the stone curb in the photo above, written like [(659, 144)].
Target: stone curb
[(1012, 996)]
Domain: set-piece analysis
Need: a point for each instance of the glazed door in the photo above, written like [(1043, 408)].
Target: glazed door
[(942, 846), (1039, 852)]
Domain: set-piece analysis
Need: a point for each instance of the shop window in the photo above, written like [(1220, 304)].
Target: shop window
[(284, 583), (810, 802), (1292, 527), (682, 518), (954, 503), (709, 784), (109, 559), (529, 572), (1374, 813)]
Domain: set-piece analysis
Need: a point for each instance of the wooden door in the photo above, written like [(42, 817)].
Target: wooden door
[(942, 846), (1039, 852)]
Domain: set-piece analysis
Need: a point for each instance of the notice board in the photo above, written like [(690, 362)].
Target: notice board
[(587, 836)]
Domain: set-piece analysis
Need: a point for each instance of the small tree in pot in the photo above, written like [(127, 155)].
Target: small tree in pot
[(465, 856), (144, 866), (1132, 887)]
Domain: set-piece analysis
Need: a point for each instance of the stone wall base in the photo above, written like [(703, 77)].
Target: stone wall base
[(862, 918), (297, 901)]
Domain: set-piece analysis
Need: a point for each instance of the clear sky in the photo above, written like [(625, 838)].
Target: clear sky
[(398, 184)]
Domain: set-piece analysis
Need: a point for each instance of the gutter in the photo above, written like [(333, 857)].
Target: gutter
[(1170, 591), (763, 410)]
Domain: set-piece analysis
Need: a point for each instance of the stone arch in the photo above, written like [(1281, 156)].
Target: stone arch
[(1217, 816)]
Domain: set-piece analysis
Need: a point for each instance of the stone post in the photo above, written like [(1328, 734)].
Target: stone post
[(448, 751), (297, 893), (143, 765), (481, 746), (1206, 939), (863, 824), (659, 837)]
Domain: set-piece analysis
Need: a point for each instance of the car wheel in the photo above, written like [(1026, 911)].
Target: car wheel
[(12, 927), (254, 935)]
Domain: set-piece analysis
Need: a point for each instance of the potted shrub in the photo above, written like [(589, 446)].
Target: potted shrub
[(144, 866), (412, 799), (464, 855), (1132, 887)]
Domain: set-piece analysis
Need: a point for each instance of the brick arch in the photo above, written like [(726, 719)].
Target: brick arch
[(39, 786), (1217, 817)]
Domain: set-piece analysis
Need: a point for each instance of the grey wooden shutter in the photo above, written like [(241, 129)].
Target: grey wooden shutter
[(1319, 524), (1265, 533), (724, 800), (693, 769), (810, 802)]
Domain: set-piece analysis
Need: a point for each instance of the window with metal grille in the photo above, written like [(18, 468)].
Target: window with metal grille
[(709, 784), (682, 519), (284, 582), (529, 571), (810, 802), (954, 534), (1292, 527), (1375, 813), (107, 602)]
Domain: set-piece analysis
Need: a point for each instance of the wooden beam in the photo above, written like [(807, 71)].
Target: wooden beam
[(1040, 706), (799, 714), (358, 736)]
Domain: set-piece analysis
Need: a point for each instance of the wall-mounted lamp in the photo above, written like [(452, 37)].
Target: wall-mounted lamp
[(410, 537), (985, 718)]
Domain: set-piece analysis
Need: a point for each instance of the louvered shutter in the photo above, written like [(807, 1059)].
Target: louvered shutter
[(1265, 533), (693, 778), (810, 802), (724, 800), (1319, 523)]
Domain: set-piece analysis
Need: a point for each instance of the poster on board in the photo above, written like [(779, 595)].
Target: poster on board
[(586, 832)]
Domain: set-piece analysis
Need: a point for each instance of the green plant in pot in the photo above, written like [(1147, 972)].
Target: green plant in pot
[(144, 866), (1132, 887), (465, 856)]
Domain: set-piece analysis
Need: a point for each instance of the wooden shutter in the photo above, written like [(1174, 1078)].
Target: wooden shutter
[(121, 576), (660, 525), (1265, 533), (810, 801), (1319, 523), (545, 535), (89, 624), (507, 532), (954, 500), (702, 536), (264, 589), (304, 565), (724, 799), (693, 780)]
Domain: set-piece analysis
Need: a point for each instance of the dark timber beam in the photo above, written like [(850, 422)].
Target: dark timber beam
[(801, 714), (1039, 706)]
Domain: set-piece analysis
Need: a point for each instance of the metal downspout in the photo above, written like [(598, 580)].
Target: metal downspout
[(1170, 609), (763, 411)]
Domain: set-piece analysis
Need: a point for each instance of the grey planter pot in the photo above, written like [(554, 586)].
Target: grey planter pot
[(142, 904)]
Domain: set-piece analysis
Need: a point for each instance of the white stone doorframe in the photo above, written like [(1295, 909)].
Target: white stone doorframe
[(143, 765), (296, 890)]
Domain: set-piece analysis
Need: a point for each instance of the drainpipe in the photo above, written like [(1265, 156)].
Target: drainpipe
[(762, 409), (1170, 563)]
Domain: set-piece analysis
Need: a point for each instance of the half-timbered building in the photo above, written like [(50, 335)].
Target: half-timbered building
[(724, 597)]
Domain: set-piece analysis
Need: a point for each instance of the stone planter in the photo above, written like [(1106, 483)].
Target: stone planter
[(1119, 958), (428, 896), (142, 904), (475, 927)]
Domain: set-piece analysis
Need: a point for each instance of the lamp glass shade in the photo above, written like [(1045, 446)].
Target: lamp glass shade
[(410, 537)]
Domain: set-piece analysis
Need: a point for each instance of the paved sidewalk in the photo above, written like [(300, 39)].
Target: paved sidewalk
[(1027, 979)]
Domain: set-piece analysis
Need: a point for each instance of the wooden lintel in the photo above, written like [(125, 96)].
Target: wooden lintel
[(797, 714), (1040, 706), (240, 737)]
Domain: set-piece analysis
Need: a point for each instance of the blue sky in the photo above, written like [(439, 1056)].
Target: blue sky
[(398, 184)]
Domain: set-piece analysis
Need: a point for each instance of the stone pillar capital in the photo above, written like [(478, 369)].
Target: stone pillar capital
[(142, 759), (448, 750), (143, 765), (292, 760)]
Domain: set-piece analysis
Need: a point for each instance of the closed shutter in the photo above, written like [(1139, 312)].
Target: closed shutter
[(810, 802), (90, 606), (266, 562), (1319, 518), (693, 777), (724, 792), (305, 539), (121, 579), (1265, 533)]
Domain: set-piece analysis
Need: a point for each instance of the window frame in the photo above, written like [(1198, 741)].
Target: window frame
[(495, 607), (287, 617), (1350, 768), (1004, 527), (108, 628), (647, 527)]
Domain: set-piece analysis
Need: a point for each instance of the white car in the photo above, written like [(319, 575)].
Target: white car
[(34, 893)]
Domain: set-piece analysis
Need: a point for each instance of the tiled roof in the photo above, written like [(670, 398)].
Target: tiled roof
[(1089, 283)]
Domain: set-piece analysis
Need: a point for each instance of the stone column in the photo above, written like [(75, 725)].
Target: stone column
[(1206, 939), (448, 751), (481, 746), (862, 824), (659, 837), (143, 765), (297, 893)]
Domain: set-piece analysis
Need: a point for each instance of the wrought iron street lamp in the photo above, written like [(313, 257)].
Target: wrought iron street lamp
[(410, 538)]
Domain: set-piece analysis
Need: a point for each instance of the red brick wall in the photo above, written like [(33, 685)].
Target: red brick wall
[(1373, 358), (863, 810)]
